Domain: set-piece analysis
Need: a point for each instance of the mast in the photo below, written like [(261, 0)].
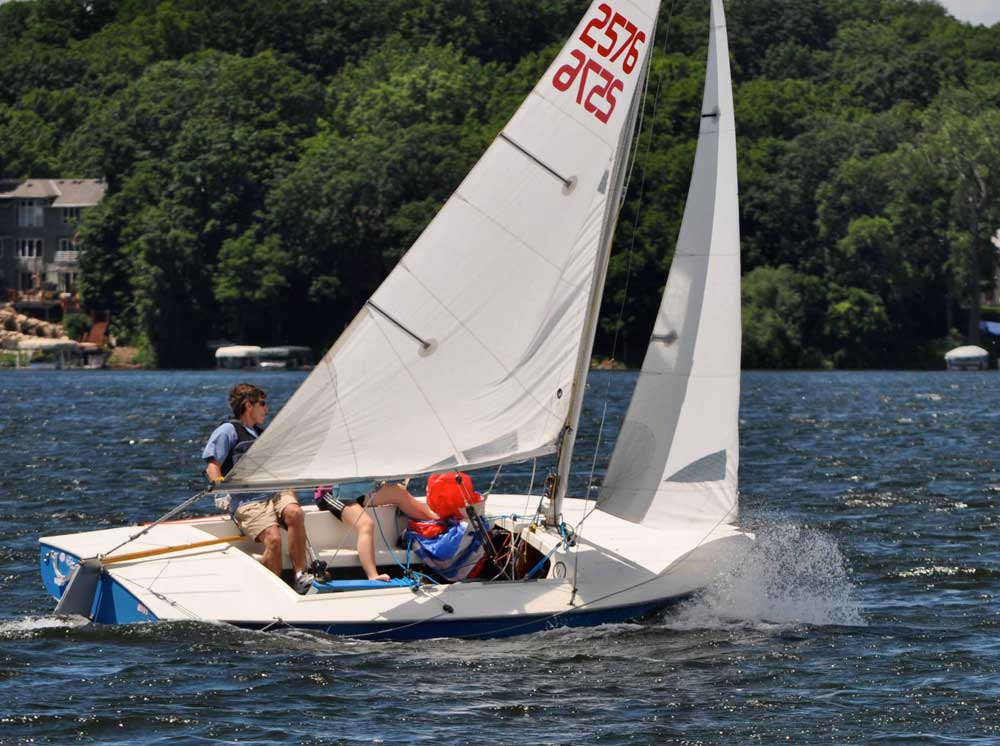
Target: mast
[(617, 179)]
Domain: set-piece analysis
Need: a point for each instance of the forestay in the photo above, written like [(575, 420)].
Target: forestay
[(677, 457), (465, 355)]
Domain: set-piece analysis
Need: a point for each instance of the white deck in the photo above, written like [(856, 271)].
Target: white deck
[(619, 564)]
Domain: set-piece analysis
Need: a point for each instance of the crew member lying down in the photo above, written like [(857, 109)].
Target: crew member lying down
[(454, 547), (348, 502)]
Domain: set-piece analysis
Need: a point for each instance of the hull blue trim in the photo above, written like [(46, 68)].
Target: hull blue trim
[(480, 628), (115, 605), (112, 603), (55, 566)]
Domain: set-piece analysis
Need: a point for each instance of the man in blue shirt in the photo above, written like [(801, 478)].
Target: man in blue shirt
[(258, 516)]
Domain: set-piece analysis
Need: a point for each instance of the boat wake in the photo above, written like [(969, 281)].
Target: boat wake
[(31, 626), (789, 576)]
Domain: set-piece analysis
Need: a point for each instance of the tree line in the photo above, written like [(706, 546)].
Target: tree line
[(268, 163)]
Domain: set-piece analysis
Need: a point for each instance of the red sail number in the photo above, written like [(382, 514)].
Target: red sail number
[(603, 89), (621, 40), (609, 23)]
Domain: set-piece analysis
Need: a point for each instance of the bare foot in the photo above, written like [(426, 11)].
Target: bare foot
[(383, 577)]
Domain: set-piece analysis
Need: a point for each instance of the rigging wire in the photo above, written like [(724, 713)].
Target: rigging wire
[(165, 517), (531, 486), (631, 250), (672, 569), (628, 276), (509, 628), (493, 482)]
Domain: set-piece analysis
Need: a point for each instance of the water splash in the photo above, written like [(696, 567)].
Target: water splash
[(30, 626), (790, 575)]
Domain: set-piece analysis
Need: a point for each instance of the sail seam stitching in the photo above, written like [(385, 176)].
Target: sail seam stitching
[(343, 416), (457, 452), (517, 238), (510, 374)]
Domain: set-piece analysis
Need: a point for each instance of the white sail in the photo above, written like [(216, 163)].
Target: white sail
[(677, 457), (495, 290)]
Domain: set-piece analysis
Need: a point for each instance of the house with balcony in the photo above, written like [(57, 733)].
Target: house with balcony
[(39, 241)]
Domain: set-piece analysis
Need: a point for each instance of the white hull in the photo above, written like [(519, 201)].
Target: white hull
[(623, 571)]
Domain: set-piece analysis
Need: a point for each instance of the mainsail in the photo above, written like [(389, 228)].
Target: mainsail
[(465, 355), (676, 459)]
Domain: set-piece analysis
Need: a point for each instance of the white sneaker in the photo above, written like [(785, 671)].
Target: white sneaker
[(303, 582)]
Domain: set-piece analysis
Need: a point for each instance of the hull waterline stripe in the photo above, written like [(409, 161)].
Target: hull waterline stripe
[(493, 627)]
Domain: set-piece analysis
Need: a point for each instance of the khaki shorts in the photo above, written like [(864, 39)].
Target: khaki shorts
[(259, 515)]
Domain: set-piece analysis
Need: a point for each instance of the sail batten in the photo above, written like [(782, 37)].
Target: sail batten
[(476, 366)]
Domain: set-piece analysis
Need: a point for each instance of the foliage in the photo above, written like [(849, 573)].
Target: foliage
[(251, 280), (268, 163), (75, 325), (773, 322)]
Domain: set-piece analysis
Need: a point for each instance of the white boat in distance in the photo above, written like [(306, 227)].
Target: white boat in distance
[(968, 357), (473, 353), (286, 357)]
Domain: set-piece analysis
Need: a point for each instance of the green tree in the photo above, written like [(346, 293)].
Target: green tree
[(221, 132), (857, 328), (249, 283), (28, 145), (171, 285), (399, 86), (255, 149), (773, 318), (963, 145)]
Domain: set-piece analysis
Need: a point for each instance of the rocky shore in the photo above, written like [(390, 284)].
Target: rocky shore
[(17, 327)]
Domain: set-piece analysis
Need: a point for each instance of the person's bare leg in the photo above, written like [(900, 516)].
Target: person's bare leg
[(270, 537), (355, 517), (398, 495), (294, 520)]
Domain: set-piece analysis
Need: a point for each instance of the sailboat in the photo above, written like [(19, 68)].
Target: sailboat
[(474, 353)]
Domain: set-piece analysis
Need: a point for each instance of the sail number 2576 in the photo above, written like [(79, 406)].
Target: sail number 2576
[(616, 39)]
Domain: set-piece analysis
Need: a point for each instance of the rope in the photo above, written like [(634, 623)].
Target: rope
[(531, 486), (161, 596), (402, 627), (489, 490), (277, 621), (672, 569), (166, 516), (541, 563), (407, 572)]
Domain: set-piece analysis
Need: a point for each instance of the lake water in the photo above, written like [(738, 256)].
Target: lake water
[(867, 613)]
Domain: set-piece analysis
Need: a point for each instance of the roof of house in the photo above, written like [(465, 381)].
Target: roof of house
[(66, 192)]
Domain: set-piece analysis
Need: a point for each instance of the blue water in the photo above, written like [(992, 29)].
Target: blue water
[(867, 613)]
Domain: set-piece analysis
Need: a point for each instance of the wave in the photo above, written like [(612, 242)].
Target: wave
[(31, 626)]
